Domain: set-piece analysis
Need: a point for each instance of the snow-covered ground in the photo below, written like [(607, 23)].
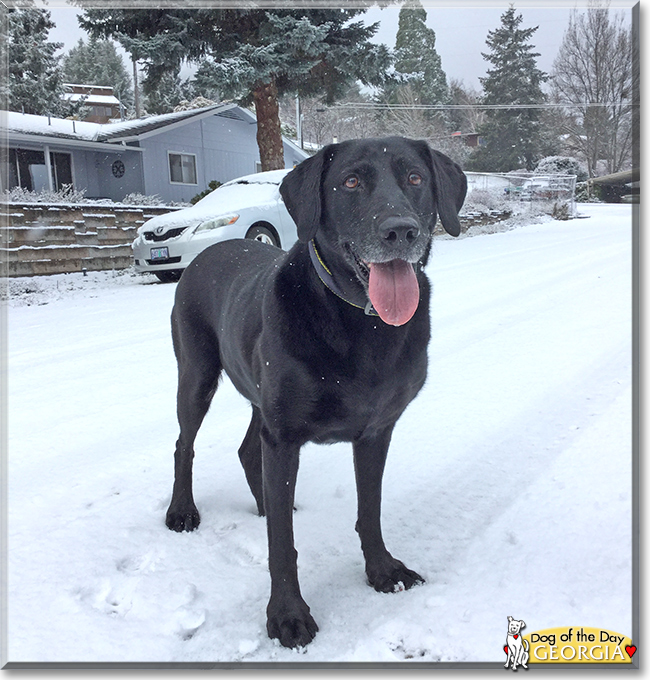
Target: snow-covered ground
[(508, 484)]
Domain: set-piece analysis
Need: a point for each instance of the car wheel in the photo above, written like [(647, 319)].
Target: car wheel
[(169, 276), (263, 234)]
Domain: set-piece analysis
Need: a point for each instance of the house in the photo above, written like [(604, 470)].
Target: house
[(618, 187), (102, 105), (472, 139), (174, 155)]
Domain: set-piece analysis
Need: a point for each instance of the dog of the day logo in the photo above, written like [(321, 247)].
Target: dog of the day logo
[(574, 644), (517, 648)]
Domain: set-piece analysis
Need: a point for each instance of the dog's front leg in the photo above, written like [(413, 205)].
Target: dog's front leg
[(384, 572), (288, 617)]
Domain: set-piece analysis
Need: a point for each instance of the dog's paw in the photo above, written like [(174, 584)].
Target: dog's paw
[(393, 577), (183, 520), (292, 626)]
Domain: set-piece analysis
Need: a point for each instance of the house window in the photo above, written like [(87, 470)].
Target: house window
[(26, 168), (182, 168), (61, 170)]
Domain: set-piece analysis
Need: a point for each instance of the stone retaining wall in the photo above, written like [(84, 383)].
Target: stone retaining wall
[(38, 239)]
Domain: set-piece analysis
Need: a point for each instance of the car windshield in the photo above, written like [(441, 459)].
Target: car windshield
[(239, 195), (270, 177)]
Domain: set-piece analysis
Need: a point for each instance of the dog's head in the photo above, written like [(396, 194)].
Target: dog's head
[(379, 180), (374, 203), (515, 626)]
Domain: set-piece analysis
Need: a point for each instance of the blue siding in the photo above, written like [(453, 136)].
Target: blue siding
[(102, 183), (224, 145), (293, 155), (224, 148)]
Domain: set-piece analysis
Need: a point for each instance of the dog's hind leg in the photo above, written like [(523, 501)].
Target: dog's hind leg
[(250, 455), (288, 616), (198, 376), (384, 572)]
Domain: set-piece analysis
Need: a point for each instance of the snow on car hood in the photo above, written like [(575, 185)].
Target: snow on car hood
[(238, 194)]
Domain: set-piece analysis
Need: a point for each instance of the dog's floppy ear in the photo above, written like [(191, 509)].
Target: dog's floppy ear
[(450, 188), (300, 191)]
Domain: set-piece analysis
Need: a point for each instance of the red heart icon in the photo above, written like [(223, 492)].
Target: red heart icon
[(505, 648), (515, 636), (630, 649)]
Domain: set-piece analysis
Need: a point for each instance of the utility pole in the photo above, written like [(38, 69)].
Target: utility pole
[(138, 112), (299, 124)]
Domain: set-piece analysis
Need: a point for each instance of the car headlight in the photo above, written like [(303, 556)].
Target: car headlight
[(217, 222)]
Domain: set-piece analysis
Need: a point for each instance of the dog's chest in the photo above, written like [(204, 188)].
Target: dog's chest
[(514, 640), (362, 395)]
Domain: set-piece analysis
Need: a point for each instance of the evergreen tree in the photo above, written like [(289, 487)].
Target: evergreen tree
[(34, 82), (512, 135), (417, 63), (165, 95), (417, 80), (253, 55), (98, 63)]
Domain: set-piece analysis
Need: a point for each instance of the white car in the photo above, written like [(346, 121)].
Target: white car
[(246, 207)]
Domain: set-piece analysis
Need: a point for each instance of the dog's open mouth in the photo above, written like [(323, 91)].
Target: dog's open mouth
[(392, 288)]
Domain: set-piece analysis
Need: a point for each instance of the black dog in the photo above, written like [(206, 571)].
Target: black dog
[(328, 341)]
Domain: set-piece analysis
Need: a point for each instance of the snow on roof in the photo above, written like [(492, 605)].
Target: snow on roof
[(49, 126), (92, 98), (81, 86), (132, 128)]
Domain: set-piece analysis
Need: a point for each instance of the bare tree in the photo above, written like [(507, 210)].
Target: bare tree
[(470, 118), (323, 123), (407, 118), (592, 74)]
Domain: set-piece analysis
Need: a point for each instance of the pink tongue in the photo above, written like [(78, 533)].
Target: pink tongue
[(394, 291)]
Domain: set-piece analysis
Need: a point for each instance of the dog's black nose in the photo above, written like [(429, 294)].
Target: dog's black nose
[(400, 231)]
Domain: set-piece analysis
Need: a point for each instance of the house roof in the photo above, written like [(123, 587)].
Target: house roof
[(24, 127), (48, 126), (624, 177), (132, 129), (91, 98), (78, 87)]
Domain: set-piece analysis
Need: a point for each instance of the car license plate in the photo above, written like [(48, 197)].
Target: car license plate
[(160, 253)]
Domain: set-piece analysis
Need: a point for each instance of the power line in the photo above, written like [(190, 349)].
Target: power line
[(452, 107)]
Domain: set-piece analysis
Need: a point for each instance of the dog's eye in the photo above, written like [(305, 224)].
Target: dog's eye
[(415, 179), (352, 182)]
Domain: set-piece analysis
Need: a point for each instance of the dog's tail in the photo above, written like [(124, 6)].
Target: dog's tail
[(525, 643)]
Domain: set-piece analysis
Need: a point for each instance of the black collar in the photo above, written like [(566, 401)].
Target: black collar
[(325, 275)]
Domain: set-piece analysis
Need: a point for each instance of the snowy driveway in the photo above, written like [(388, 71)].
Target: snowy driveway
[(507, 485)]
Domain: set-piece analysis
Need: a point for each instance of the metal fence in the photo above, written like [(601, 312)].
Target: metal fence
[(530, 191)]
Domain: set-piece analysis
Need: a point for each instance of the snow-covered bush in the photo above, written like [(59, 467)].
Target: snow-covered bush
[(561, 165), (486, 201), (67, 194), (142, 199), (70, 195)]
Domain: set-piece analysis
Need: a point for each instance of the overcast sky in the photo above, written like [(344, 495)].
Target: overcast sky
[(460, 30)]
